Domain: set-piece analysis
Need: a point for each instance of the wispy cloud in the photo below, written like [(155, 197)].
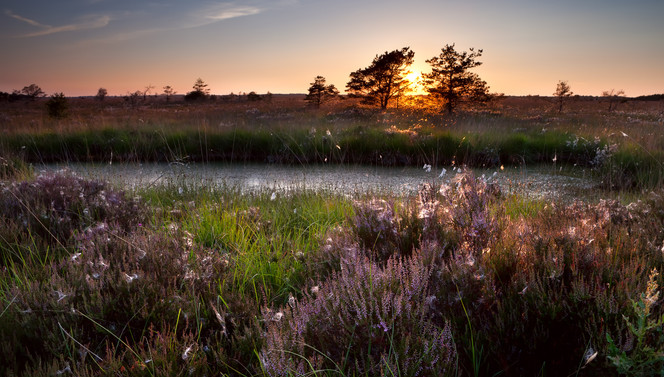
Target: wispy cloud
[(143, 19), (26, 20), (218, 12), (227, 11), (85, 23)]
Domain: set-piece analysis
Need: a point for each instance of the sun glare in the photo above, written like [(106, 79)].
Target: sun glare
[(413, 77)]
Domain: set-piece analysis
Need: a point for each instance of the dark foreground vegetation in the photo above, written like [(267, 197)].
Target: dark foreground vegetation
[(460, 280)]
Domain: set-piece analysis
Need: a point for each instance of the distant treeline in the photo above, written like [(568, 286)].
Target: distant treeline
[(652, 97)]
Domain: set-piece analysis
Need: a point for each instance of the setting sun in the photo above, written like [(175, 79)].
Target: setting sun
[(413, 77)]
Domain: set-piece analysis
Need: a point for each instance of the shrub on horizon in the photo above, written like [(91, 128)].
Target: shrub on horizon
[(57, 106)]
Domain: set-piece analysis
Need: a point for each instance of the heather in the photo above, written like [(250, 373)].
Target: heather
[(461, 279)]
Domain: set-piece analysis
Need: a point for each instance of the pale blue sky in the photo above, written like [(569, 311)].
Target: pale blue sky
[(77, 46)]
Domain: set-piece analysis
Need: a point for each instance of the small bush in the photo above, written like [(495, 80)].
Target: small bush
[(57, 106), (14, 168), (113, 288), (646, 358), (365, 320), (51, 209)]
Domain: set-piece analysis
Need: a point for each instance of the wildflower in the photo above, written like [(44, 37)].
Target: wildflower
[(314, 290), (291, 301), (277, 316), (131, 278), (384, 326), (442, 173), (274, 196), (427, 168)]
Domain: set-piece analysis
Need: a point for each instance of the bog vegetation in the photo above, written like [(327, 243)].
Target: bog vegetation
[(623, 147), (459, 280), (463, 279)]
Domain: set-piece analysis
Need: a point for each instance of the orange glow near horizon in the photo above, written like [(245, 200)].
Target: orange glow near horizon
[(414, 78), (78, 47)]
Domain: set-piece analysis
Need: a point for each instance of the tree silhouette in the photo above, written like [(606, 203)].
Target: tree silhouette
[(33, 91), (253, 97), (201, 86), (200, 91), (563, 92), (319, 92), (147, 90), (450, 81), (101, 94), (613, 97), (383, 79), (169, 92), (133, 99)]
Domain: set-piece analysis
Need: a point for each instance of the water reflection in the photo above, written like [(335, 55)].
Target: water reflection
[(537, 181)]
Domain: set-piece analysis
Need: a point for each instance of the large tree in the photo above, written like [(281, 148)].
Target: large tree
[(383, 79), (451, 82), (319, 92)]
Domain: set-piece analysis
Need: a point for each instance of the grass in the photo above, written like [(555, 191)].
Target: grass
[(187, 279), (219, 281), (514, 131)]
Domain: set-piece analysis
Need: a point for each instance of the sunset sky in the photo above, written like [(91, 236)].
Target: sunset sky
[(78, 46)]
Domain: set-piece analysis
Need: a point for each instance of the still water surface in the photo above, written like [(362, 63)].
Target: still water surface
[(539, 182)]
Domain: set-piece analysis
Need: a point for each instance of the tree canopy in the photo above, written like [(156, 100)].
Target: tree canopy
[(319, 92), (451, 82), (101, 94), (33, 91), (384, 79)]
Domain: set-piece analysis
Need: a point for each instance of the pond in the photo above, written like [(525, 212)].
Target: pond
[(538, 182)]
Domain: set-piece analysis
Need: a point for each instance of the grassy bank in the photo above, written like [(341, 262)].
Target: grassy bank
[(625, 148), (457, 281)]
